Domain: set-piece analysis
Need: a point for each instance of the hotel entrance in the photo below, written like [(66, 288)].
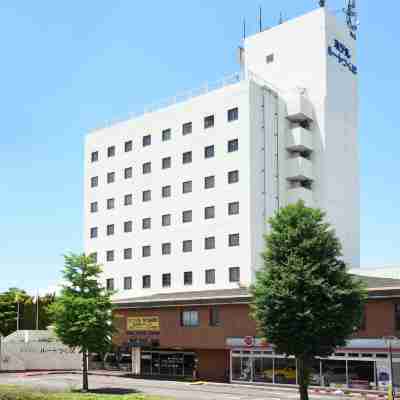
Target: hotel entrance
[(163, 363)]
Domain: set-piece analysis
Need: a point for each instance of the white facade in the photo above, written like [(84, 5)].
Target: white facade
[(295, 122)]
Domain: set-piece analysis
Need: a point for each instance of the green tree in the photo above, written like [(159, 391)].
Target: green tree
[(11, 305), (83, 312), (304, 301)]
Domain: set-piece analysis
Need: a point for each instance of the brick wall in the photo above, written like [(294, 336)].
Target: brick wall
[(235, 322)]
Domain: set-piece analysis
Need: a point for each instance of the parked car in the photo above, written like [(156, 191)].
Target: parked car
[(282, 375)]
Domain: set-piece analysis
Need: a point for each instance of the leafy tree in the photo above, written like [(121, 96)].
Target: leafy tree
[(304, 301), (82, 313), (9, 301)]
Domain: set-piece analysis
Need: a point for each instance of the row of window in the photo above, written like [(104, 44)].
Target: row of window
[(187, 187), (187, 216), (209, 276), (187, 128), (166, 163), (166, 248)]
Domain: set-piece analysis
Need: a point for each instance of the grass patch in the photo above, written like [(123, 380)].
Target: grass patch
[(25, 393)]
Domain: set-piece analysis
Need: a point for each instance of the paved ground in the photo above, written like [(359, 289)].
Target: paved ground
[(174, 390)]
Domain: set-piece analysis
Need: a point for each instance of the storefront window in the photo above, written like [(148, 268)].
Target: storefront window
[(263, 369), (285, 370), (334, 373), (361, 374)]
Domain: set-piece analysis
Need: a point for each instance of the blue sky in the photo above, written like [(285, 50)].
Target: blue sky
[(68, 66)]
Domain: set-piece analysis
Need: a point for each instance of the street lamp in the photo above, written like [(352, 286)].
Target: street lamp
[(388, 341)]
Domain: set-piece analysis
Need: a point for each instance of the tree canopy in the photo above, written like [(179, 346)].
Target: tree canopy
[(304, 300), (83, 312)]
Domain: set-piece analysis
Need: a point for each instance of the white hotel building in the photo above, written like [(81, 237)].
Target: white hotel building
[(177, 199)]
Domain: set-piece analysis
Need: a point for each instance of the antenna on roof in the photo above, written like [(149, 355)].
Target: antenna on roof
[(351, 17), (322, 3), (260, 19)]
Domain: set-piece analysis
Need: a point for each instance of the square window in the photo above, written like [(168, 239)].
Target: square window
[(188, 278), (233, 114), (210, 276), (209, 121), (187, 128), (146, 167), (209, 182), (110, 204), (128, 283), (233, 176), (166, 191), (128, 226), (146, 223), (110, 284), (94, 156), (128, 146), (187, 216), (93, 232), (209, 151), (146, 281), (187, 157), (233, 145), (110, 255), (146, 195), (166, 249), (234, 274), (209, 212), (214, 316), (166, 280), (234, 239), (166, 220), (166, 135), (111, 151), (110, 177), (94, 181), (128, 200), (270, 58), (209, 243), (190, 319), (187, 246), (146, 140), (187, 187), (94, 207), (110, 230), (146, 251), (166, 162), (128, 254), (233, 208), (128, 172)]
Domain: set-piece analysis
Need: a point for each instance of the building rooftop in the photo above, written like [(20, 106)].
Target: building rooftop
[(377, 288)]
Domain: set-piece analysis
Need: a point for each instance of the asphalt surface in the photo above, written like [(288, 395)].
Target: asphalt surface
[(170, 389)]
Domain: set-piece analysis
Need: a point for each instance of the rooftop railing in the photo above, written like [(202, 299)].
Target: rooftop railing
[(179, 98)]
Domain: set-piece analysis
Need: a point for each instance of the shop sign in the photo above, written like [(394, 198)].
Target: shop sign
[(247, 341), (343, 55), (143, 324)]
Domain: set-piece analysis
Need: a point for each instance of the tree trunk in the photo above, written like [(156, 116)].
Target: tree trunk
[(303, 374), (85, 383)]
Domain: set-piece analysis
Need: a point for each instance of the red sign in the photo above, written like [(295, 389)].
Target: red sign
[(248, 341)]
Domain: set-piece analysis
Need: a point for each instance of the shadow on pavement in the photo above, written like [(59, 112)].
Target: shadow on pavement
[(114, 391)]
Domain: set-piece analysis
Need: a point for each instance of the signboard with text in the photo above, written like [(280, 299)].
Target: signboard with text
[(143, 324)]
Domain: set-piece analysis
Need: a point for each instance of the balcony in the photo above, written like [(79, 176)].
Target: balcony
[(299, 169), (300, 193), (299, 108), (299, 139)]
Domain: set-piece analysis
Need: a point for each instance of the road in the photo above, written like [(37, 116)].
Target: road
[(170, 389)]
